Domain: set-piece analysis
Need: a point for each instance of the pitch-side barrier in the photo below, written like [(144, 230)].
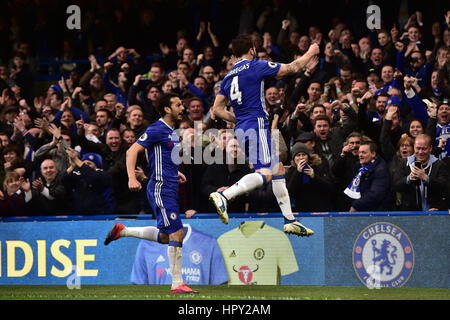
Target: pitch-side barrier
[(373, 249)]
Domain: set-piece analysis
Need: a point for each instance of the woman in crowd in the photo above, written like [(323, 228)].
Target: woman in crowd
[(12, 198), (308, 181)]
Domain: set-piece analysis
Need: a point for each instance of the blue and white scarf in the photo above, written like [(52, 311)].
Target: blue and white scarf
[(436, 92), (353, 189)]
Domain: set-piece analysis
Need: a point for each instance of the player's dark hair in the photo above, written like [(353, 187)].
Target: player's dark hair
[(261, 49), (241, 45), (164, 101)]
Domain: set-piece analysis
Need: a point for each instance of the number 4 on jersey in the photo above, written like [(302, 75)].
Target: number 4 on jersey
[(235, 94)]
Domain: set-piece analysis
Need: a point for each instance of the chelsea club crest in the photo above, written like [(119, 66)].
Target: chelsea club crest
[(383, 256)]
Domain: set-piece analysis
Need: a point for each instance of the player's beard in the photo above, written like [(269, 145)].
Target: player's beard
[(176, 119)]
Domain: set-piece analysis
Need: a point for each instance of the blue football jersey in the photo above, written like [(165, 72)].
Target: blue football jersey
[(202, 262), (162, 148), (244, 87)]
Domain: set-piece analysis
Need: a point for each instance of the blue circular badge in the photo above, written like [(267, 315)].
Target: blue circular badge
[(383, 256), (195, 257)]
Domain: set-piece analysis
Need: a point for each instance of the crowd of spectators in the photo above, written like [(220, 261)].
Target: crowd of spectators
[(364, 127)]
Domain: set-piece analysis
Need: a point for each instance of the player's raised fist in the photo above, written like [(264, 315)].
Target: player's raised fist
[(134, 185)]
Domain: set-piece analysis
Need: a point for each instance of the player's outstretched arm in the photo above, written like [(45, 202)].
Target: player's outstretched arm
[(298, 64), (219, 109), (131, 159)]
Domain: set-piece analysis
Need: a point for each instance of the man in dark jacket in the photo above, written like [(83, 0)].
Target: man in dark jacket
[(89, 185), (218, 177), (372, 125), (113, 153), (148, 101), (328, 141), (422, 179), (193, 168), (371, 185), (49, 197), (22, 76), (342, 170)]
